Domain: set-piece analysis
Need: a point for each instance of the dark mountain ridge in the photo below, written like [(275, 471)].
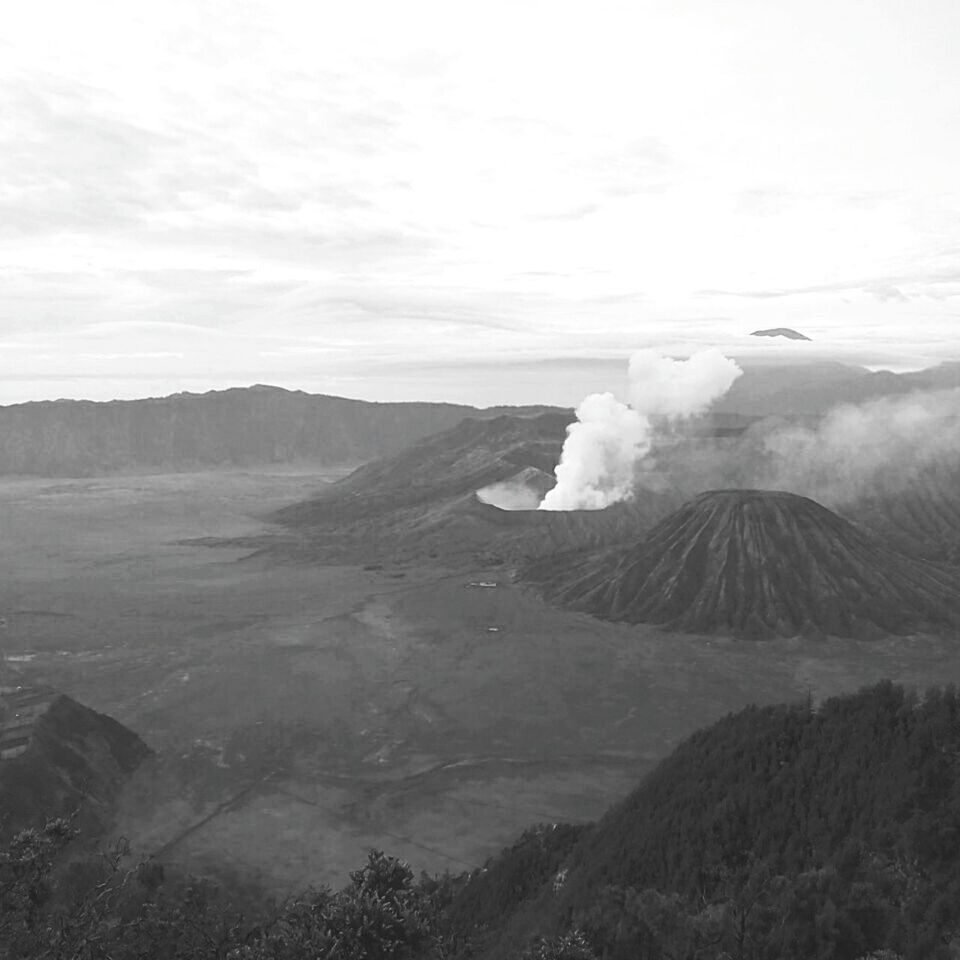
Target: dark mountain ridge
[(186, 431), (264, 425), (756, 564), (811, 389)]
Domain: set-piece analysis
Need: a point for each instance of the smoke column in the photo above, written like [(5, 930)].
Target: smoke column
[(609, 437), (675, 389)]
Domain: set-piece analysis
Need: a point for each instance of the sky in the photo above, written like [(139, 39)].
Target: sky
[(480, 202)]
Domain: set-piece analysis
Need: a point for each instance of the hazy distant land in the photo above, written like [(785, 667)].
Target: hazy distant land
[(407, 707)]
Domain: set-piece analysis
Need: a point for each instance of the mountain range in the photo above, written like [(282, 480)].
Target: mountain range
[(237, 427), (248, 426), (811, 389)]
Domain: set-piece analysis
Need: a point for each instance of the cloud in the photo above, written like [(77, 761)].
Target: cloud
[(409, 182), (183, 278), (786, 292), (644, 165), (879, 446), (887, 292), (67, 163), (73, 163), (884, 288), (110, 327), (609, 439), (429, 307), (126, 356), (576, 213)]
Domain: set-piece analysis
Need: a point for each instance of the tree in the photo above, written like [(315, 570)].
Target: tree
[(571, 946), (381, 915), (25, 867)]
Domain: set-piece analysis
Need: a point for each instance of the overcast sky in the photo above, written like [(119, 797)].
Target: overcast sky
[(484, 202)]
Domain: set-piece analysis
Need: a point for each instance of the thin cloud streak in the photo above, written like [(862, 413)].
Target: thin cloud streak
[(215, 189)]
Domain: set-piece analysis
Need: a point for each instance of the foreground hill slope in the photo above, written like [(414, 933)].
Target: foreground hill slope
[(60, 757), (756, 564), (243, 426), (786, 832), (791, 832)]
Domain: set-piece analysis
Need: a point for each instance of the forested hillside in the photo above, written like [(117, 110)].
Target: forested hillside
[(798, 832), (781, 833)]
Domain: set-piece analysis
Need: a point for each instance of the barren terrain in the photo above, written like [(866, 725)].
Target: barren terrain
[(303, 713)]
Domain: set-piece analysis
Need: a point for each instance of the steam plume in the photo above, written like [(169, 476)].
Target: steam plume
[(855, 452), (878, 446), (596, 466), (675, 389), (522, 491)]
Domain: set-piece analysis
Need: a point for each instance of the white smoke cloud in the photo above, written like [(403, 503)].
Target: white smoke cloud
[(854, 453), (858, 450), (510, 495), (663, 387), (602, 448), (522, 492), (596, 466)]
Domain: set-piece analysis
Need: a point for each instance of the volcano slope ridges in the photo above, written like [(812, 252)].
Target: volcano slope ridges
[(757, 564), (426, 502), (459, 461), (423, 503)]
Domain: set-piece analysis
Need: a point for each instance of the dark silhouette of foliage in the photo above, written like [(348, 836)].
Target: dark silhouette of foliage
[(570, 946), (781, 833), (137, 914)]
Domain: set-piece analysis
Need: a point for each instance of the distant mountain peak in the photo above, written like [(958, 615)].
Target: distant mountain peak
[(780, 332)]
